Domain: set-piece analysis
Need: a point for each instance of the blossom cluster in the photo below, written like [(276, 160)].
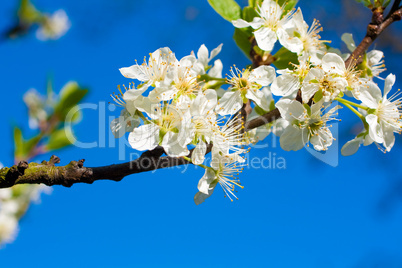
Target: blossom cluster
[(189, 109)]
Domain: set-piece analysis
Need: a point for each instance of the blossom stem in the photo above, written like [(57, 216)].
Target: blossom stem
[(358, 114), (189, 160), (343, 101)]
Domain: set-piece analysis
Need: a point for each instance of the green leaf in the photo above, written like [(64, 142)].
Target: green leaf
[(367, 3), (57, 140), (22, 148), (228, 9), (70, 95), (30, 144), (18, 143), (283, 57), (77, 116), (386, 3), (318, 96), (242, 39), (254, 3), (249, 14), (288, 5), (27, 13)]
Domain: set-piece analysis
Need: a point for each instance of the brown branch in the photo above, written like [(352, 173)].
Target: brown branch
[(374, 29), (75, 172)]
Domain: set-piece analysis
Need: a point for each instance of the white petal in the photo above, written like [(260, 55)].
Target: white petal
[(230, 103), (323, 140), (389, 140), (351, 146), (370, 94), (309, 88), (256, 23), (240, 23), (216, 70), (374, 128), (215, 52), (198, 155), (298, 18), (162, 93), (271, 9), (188, 61), (293, 44), (144, 104), (134, 72), (204, 103), (263, 75), (144, 137), (285, 85), (200, 197), (172, 145), (389, 82), (333, 63), (374, 57), (204, 183), (279, 126), (290, 109), (258, 97), (293, 139), (202, 55), (308, 91), (266, 38), (347, 38)]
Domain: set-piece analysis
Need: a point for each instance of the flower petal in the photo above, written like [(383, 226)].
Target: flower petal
[(230, 103), (351, 146), (198, 155), (375, 131), (135, 72), (285, 85), (263, 75), (293, 138), (266, 38), (290, 109), (239, 23), (333, 63), (389, 82), (370, 94), (144, 137), (172, 146)]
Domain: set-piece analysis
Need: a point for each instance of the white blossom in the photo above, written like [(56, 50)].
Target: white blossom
[(54, 26), (273, 24), (154, 72), (305, 124), (384, 116), (329, 78), (164, 127), (246, 86), (224, 170)]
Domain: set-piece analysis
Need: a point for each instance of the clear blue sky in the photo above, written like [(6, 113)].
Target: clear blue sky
[(307, 215)]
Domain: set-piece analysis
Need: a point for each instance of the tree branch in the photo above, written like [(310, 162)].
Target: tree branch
[(374, 29)]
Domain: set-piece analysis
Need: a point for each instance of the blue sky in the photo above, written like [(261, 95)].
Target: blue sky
[(307, 215)]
